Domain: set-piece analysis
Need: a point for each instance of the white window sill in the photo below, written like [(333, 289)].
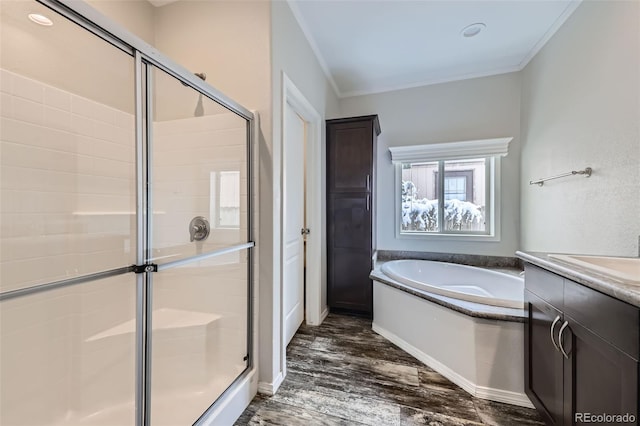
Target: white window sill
[(448, 237)]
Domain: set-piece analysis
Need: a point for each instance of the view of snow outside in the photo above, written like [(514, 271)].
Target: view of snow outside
[(464, 196)]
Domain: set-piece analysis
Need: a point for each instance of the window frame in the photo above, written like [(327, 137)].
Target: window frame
[(491, 149)]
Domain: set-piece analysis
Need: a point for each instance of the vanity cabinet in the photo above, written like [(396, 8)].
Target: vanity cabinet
[(581, 351), (351, 239)]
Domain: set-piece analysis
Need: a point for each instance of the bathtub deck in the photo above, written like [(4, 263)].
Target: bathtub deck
[(342, 373)]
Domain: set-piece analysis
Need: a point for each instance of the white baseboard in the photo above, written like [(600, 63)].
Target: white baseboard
[(271, 388), (324, 314), (498, 395), (232, 405)]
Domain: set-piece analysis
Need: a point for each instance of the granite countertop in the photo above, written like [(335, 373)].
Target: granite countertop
[(619, 288), (471, 309)]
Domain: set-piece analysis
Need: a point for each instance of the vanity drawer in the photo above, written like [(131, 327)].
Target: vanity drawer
[(613, 320), (545, 285)]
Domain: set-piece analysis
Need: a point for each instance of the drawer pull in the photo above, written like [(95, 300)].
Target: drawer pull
[(553, 326), (565, 325)]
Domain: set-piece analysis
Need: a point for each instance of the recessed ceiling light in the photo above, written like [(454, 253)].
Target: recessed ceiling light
[(473, 29), (40, 19)]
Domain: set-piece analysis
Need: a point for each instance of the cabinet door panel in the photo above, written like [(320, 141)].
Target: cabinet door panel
[(350, 158), (543, 362), (350, 221), (599, 378), (350, 286), (589, 307)]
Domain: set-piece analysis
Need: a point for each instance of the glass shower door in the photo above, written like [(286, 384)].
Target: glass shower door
[(67, 224), (198, 237)]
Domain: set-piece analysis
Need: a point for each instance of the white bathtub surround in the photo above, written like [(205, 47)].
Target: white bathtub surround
[(478, 347)]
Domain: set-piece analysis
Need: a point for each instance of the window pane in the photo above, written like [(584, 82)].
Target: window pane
[(419, 200), (455, 187), (464, 195)]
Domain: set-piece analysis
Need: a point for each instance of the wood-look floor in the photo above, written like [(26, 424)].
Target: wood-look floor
[(342, 373)]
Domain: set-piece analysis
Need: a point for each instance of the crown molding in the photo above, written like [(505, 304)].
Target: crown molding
[(314, 46)]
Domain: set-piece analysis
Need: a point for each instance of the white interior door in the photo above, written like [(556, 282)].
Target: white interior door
[(293, 222)]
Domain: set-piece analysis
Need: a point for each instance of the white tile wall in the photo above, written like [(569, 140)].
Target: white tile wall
[(67, 162), (186, 152), (48, 369), (63, 159)]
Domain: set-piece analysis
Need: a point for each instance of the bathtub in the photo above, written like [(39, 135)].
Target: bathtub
[(464, 322), (459, 281)]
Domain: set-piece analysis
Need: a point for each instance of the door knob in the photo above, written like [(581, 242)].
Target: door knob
[(199, 229), (305, 231)]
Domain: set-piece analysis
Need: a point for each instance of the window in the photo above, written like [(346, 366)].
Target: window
[(450, 189), (464, 206)]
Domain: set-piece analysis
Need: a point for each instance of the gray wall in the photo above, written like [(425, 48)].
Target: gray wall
[(291, 54), (480, 108), (580, 107)]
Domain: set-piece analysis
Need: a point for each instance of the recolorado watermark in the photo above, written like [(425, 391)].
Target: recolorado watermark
[(604, 418)]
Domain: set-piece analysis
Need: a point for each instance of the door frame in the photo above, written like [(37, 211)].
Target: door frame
[(314, 312)]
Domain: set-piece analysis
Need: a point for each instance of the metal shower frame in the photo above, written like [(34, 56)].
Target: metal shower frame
[(146, 56)]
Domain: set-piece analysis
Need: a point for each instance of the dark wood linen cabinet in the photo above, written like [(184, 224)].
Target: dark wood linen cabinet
[(351, 239)]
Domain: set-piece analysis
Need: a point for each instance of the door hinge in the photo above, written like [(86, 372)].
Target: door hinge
[(141, 269)]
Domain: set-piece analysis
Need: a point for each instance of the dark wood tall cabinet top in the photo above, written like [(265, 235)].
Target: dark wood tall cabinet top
[(351, 149), (351, 239)]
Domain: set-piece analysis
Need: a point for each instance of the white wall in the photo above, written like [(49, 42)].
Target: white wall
[(580, 107), (64, 56), (480, 108), (291, 53), (137, 16)]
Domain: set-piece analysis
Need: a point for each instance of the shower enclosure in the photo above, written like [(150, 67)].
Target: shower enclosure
[(125, 228)]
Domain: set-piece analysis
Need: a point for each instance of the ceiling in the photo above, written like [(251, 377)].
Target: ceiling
[(372, 46)]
